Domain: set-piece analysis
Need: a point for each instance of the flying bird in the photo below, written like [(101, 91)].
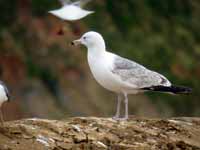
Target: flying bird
[(122, 75), (4, 96), (72, 11)]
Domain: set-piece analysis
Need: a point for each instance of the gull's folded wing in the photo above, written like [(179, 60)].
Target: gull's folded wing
[(136, 74)]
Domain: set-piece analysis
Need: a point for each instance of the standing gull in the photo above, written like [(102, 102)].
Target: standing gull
[(4, 96), (71, 11), (121, 75)]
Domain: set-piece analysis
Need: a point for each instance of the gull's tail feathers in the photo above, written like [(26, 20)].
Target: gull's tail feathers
[(170, 89)]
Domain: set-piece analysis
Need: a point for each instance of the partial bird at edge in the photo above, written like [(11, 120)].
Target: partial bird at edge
[(5, 96)]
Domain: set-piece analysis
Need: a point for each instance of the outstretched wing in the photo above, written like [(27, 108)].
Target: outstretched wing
[(136, 74), (81, 3), (65, 2)]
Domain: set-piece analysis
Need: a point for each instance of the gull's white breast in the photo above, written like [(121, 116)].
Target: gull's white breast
[(101, 66), (3, 96), (70, 12)]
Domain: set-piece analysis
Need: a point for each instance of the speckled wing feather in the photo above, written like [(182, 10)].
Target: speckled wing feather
[(136, 74)]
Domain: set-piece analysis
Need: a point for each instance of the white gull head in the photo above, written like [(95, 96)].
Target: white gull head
[(92, 40)]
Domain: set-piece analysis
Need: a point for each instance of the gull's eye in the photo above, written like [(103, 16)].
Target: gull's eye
[(84, 38)]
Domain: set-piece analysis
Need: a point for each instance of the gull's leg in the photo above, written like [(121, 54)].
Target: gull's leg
[(117, 115), (1, 116), (126, 106)]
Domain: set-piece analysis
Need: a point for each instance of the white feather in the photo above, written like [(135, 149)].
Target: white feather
[(3, 96), (103, 63), (70, 12)]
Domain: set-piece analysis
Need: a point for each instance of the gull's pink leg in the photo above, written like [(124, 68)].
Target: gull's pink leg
[(126, 106), (117, 115)]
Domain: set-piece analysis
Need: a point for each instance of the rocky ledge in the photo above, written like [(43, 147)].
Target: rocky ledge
[(92, 133)]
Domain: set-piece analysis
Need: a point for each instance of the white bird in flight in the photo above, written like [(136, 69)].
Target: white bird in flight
[(71, 11), (121, 75), (4, 96)]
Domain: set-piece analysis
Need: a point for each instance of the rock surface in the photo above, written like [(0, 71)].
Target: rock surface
[(101, 133)]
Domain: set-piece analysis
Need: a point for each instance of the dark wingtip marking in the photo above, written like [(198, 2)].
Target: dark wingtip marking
[(171, 89)]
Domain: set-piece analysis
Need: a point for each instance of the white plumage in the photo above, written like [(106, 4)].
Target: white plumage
[(121, 75), (71, 11), (4, 96)]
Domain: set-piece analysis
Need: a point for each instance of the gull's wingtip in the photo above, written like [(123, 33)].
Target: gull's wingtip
[(51, 12), (171, 89), (91, 12)]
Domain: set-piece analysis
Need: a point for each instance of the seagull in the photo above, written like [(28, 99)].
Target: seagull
[(4, 96), (71, 11), (121, 75)]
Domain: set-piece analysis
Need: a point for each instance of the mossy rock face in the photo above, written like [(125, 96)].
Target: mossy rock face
[(101, 133)]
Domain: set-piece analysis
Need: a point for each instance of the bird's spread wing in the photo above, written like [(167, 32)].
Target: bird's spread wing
[(81, 3), (137, 75), (65, 2)]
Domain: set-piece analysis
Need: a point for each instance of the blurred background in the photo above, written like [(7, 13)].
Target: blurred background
[(48, 78)]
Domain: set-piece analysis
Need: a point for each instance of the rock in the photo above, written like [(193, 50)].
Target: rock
[(101, 133)]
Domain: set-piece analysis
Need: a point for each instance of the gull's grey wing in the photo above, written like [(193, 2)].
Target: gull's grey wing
[(81, 3), (136, 74), (65, 2)]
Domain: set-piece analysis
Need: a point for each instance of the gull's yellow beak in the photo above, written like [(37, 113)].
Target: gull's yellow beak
[(76, 42)]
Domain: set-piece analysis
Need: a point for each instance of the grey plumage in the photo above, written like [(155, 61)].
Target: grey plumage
[(136, 74), (121, 75)]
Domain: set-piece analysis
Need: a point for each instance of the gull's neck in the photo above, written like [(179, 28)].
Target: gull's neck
[(97, 50)]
